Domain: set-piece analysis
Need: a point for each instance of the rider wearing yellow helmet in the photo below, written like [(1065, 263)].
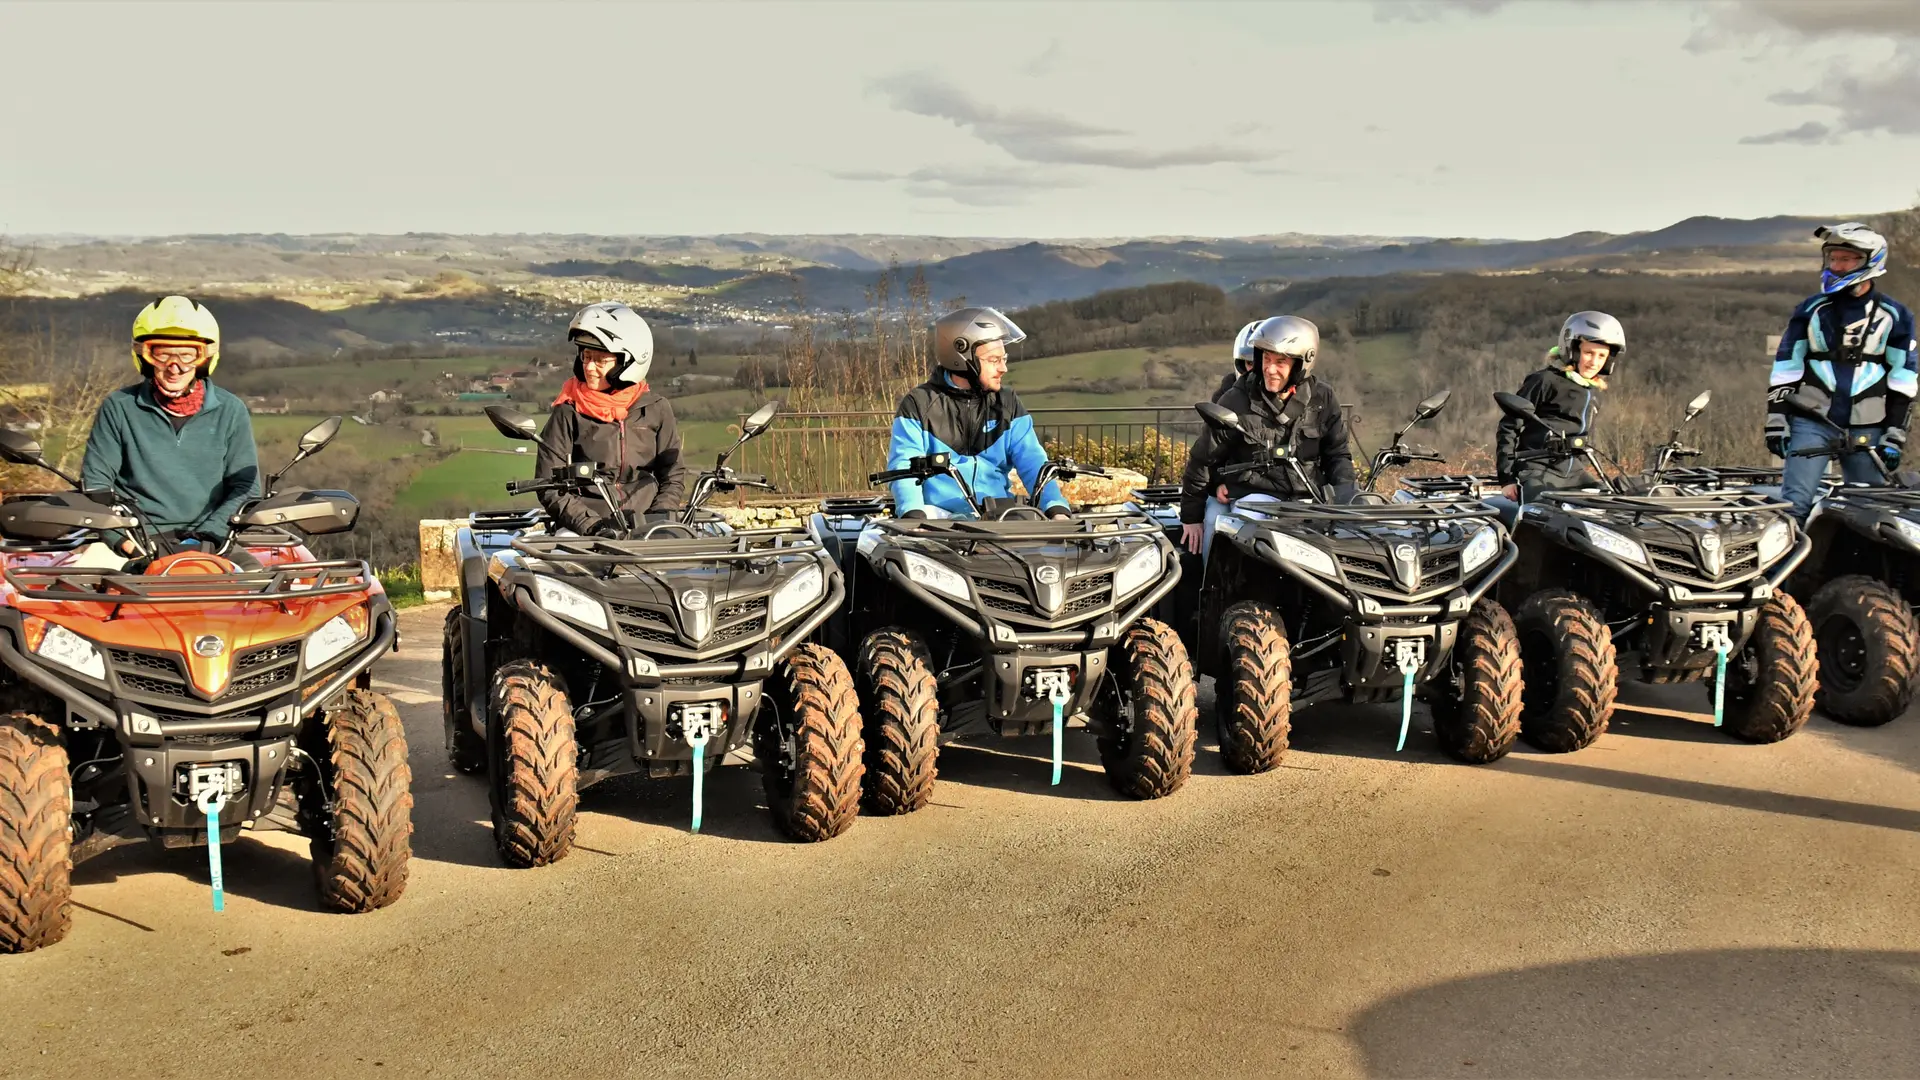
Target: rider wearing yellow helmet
[(179, 446)]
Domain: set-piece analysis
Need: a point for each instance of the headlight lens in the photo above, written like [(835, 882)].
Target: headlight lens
[(1137, 572), (929, 574), (1483, 547), (70, 650), (1908, 531), (1779, 537), (800, 590), (563, 599), (339, 634), (1614, 544), (1299, 551)]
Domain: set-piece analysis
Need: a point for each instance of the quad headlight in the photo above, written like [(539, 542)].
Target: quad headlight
[(68, 649), (563, 599), (1614, 544), (792, 598), (929, 574), (1908, 531), (1136, 573), (1479, 550), (1292, 550), (1779, 537), (337, 635)]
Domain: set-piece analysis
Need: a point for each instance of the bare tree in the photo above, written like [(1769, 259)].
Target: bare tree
[(51, 381)]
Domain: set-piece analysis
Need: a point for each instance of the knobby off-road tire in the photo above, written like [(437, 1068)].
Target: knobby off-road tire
[(1146, 746), (1865, 636), (1570, 671), (36, 823), (1253, 700), (360, 862), (1481, 723), (534, 766), (813, 787), (1770, 684), (466, 748), (900, 703)]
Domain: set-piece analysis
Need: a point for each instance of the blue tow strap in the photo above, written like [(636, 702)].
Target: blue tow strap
[(210, 802), (697, 739), (1059, 699), (1719, 683), (1407, 668)]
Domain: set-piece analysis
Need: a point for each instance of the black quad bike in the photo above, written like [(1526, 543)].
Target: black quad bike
[(1009, 622), (1306, 600), (188, 693), (1688, 581), (676, 646)]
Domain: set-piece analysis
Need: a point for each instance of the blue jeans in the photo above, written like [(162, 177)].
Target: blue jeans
[(1801, 480)]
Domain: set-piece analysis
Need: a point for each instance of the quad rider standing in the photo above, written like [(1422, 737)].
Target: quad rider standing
[(1565, 395), (1281, 402), (965, 412), (180, 447), (607, 414), (1848, 351)]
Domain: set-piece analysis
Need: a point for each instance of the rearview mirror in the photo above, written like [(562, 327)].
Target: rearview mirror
[(1697, 404), (1514, 405), (1431, 407), (761, 419), (513, 424), (320, 435), (1221, 418), (20, 448)]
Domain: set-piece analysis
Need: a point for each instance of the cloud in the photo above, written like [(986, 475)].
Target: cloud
[(1046, 63), (1729, 21), (1044, 137), (970, 187), (1432, 10), (1813, 131), (1869, 91)]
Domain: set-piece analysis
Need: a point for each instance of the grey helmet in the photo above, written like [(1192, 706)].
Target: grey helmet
[(1597, 327), (958, 333), (618, 329), (1288, 335), (1243, 358)]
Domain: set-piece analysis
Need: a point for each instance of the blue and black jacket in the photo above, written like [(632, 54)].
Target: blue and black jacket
[(1852, 354), (987, 435)]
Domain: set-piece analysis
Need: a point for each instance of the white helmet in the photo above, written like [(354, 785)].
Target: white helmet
[(1288, 335), (1597, 327), (1243, 357), (617, 329)]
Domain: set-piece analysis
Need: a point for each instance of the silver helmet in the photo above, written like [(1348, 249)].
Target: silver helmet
[(1288, 335), (617, 329), (958, 333), (1597, 327), (1243, 358)]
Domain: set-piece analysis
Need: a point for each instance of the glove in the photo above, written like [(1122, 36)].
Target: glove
[(1057, 511), (610, 528), (1777, 438), (1892, 443), (915, 514)]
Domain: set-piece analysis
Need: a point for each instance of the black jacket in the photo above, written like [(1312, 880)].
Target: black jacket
[(1566, 407), (645, 447), (1311, 426)]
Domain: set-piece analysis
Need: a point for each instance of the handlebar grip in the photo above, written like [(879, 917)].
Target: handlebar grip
[(1816, 451), (522, 487), (889, 476), (752, 479)]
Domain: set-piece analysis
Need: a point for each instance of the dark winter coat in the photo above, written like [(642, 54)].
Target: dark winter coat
[(645, 448), (1310, 425), (1564, 406)]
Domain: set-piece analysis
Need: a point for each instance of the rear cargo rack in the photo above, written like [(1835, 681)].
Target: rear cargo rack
[(281, 584)]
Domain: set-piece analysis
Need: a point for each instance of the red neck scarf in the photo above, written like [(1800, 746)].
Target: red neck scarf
[(606, 406), (186, 404)]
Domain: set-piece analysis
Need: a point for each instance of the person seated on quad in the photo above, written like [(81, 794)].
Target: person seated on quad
[(965, 412), (1851, 350), (1566, 396), (1242, 361), (607, 414), (180, 447), (1281, 401)]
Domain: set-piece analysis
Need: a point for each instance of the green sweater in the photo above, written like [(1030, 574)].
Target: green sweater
[(191, 480)]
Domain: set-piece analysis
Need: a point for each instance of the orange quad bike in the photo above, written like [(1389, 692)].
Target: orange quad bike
[(189, 693)]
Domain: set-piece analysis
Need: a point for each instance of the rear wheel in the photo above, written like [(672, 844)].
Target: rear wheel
[(361, 851), (533, 766), (901, 708), (1770, 685), (1253, 704), (1865, 637), (808, 741), (1569, 670), (1478, 717), (466, 748), (36, 821), (1146, 741)]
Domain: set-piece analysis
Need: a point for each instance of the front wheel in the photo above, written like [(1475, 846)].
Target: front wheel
[(362, 849), (36, 822), (809, 746), (1477, 717), (1570, 672), (1253, 703), (900, 702), (1869, 654), (533, 766), (1770, 685), (1146, 741)]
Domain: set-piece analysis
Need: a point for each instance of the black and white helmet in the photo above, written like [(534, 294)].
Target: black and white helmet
[(618, 329), (958, 333), (1288, 335), (1597, 327)]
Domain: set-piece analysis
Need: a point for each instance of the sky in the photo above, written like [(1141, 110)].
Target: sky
[(1491, 118)]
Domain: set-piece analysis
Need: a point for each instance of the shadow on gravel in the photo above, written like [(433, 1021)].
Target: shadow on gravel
[(1773, 802), (1025, 765), (735, 806), (1897, 741), (248, 868), (1726, 1012)]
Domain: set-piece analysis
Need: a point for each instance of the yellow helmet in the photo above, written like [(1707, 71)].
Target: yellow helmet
[(176, 318)]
